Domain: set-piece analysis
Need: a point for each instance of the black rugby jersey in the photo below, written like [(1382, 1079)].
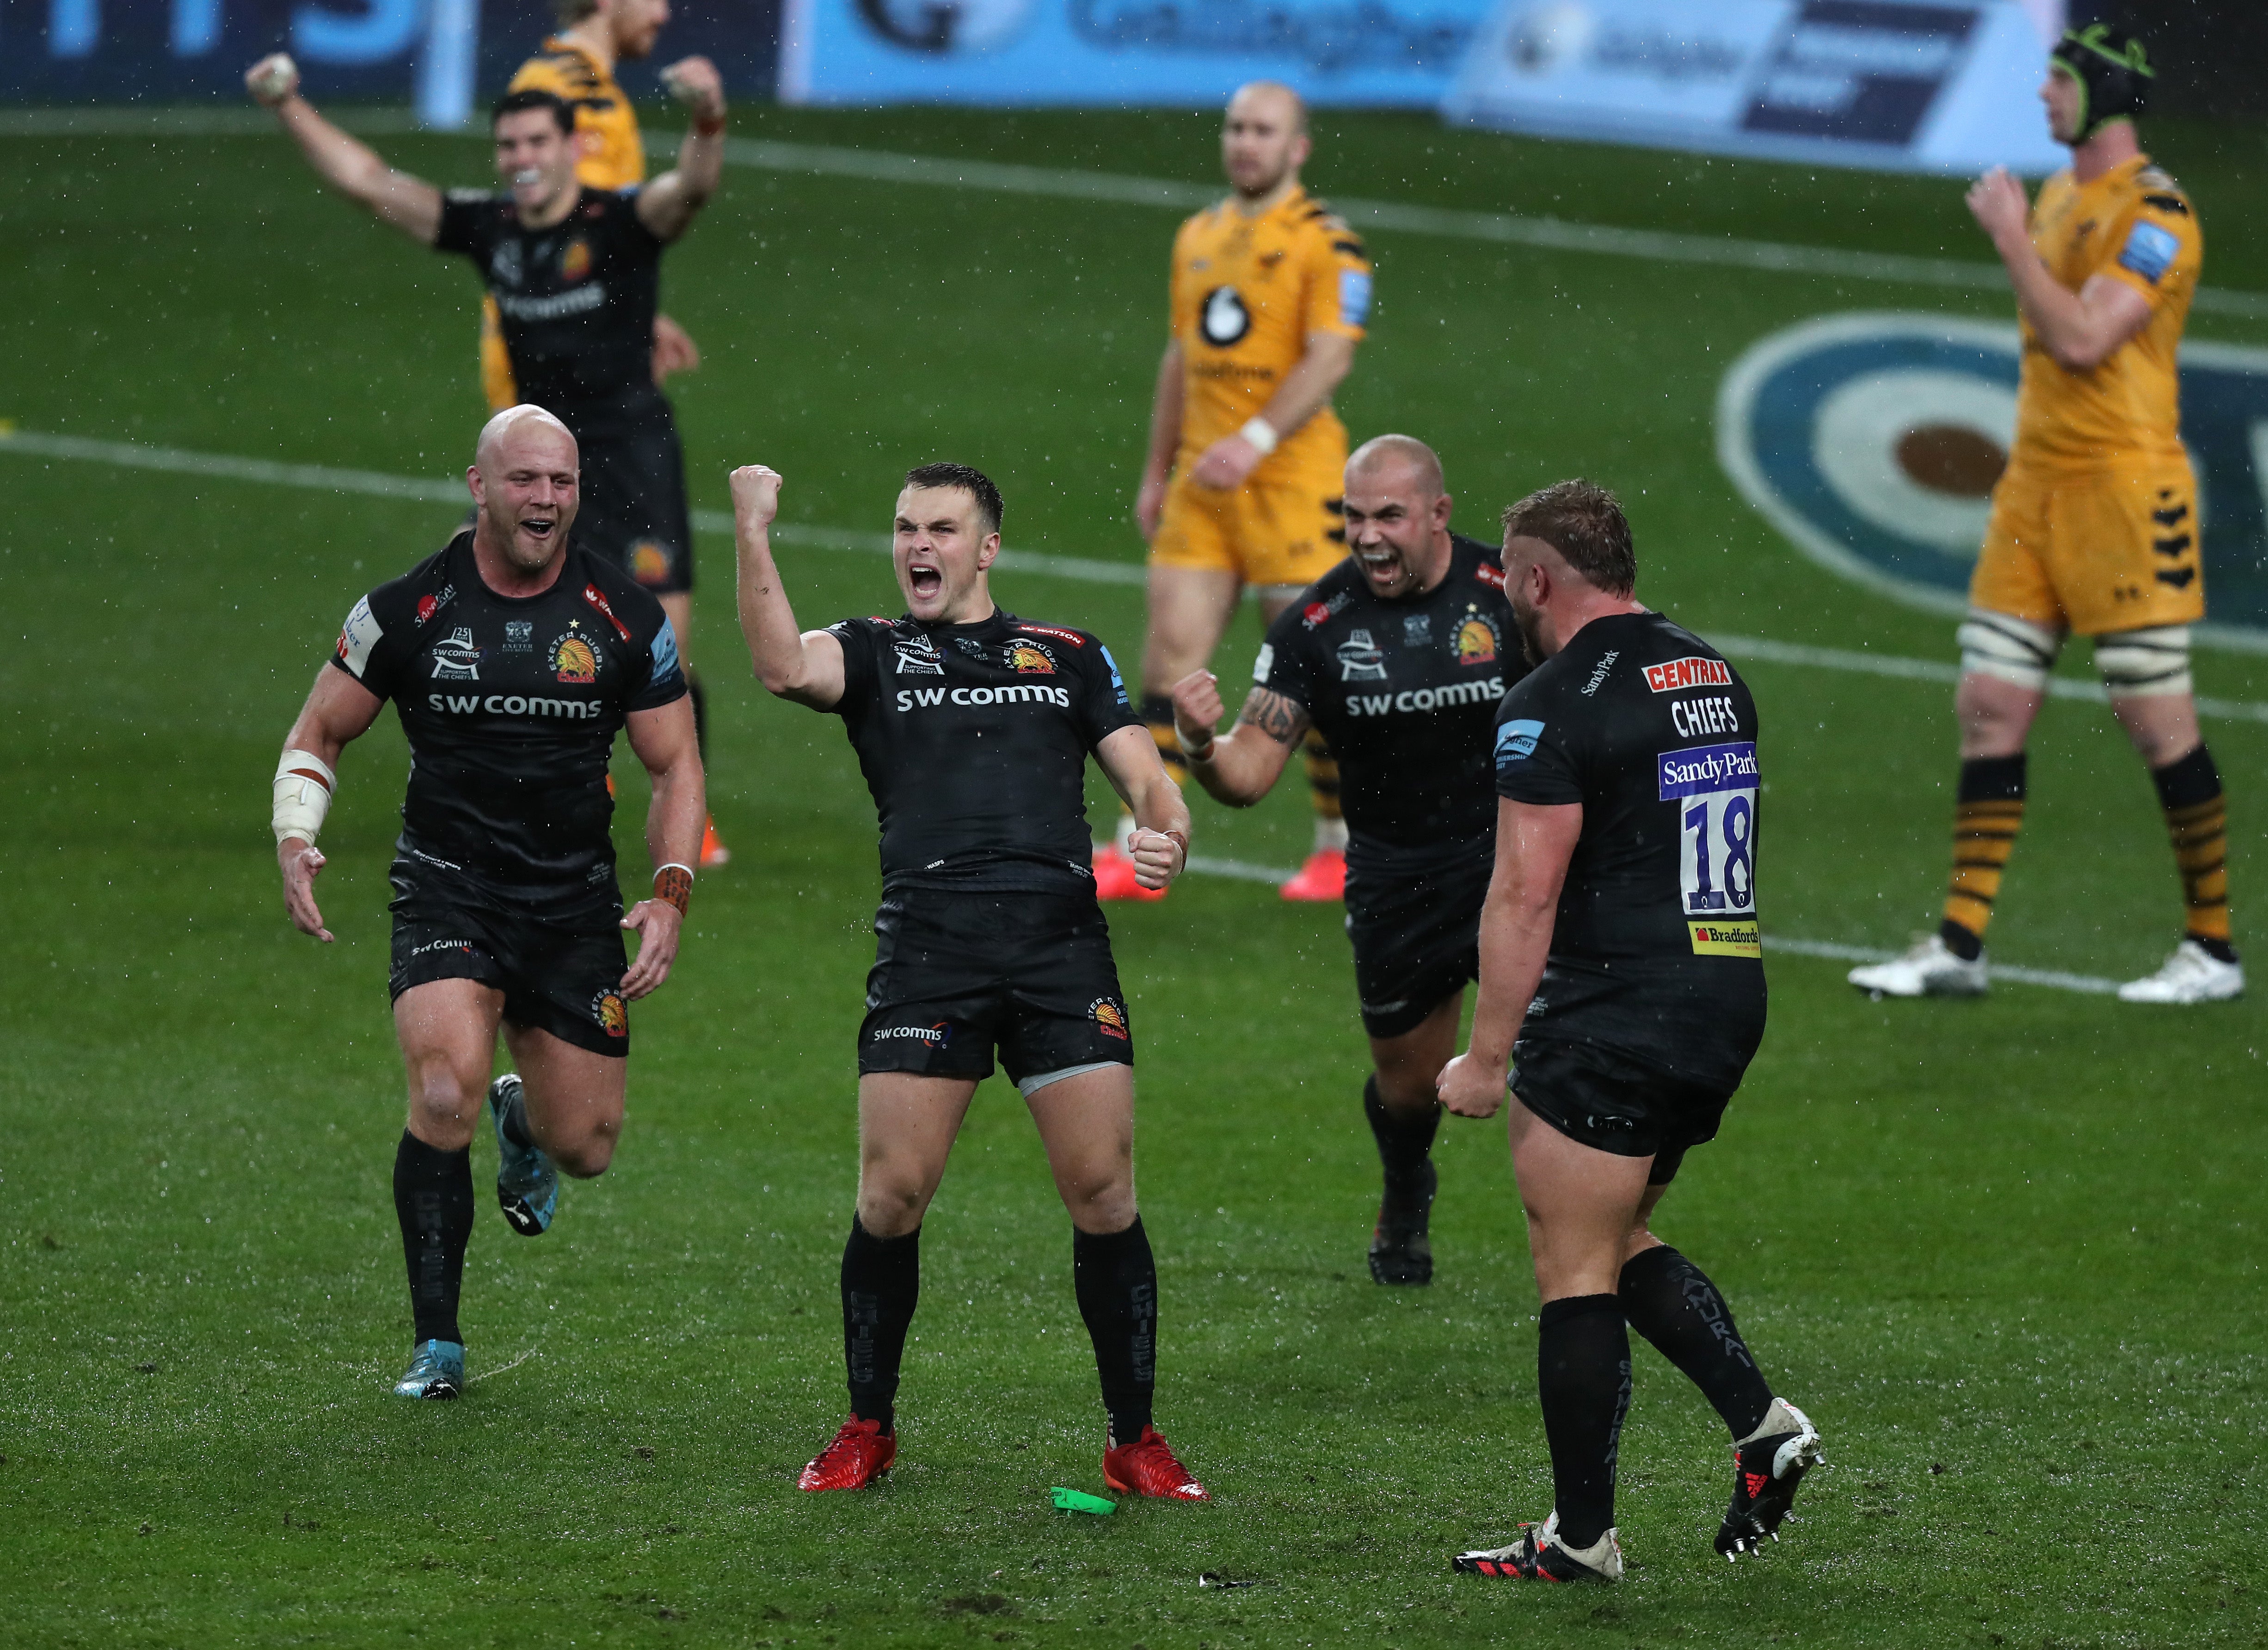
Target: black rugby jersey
[(1655, 950), (1406, 692), (578, 298), (510, 705), (973, 739)]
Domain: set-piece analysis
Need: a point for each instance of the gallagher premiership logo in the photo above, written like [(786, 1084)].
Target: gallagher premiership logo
[(1873, 441)]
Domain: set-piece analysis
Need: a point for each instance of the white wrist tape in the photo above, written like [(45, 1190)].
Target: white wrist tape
[(304, 784), (1262, 434)]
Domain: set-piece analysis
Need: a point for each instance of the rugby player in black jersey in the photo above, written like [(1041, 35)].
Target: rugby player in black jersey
[(1621, 968), (513, 657), (1399, 655), (576, 273), (973, 728)]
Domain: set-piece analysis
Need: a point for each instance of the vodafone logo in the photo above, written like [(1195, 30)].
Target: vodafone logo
[(1680, 674)]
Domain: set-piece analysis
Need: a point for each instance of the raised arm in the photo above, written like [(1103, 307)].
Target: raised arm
[(1160, 847), (338, 711), (2079, 329), (1239, 766), (1534, 845), (806, 667), (663, 740), (666, 205), (1165, 438), (348, 164)]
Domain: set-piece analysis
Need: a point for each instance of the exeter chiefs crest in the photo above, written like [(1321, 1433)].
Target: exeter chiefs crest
[(1873, 442)]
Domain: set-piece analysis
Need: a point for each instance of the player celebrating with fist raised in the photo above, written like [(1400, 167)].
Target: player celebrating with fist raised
[(513, 658), (973, 728)]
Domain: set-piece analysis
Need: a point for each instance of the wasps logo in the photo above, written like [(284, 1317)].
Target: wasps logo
[(575, 262), (1030, 658), (1475, 643)]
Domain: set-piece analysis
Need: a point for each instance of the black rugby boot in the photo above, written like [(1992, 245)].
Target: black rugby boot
[(1767, 1467), (1401, 1251)]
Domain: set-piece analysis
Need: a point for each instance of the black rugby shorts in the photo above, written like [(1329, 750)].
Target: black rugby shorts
[(1598, 1098), (1416, 937), (633, 511), (563, 977), (958, 974)]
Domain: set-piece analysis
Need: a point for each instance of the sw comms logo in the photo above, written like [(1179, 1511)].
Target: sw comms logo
[(1873, 441)]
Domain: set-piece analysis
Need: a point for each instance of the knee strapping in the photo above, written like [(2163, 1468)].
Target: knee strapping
[(2145, 664), (2001, 645)]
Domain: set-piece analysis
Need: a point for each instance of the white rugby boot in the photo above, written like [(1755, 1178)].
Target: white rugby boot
[(1929, 969), (2191, 975)]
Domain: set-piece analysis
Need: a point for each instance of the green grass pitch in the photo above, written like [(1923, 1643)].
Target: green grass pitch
[(1999, 1250)]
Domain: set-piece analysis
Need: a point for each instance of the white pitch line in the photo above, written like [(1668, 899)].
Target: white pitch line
[(503, 1369), (877, 166), (329, 478)]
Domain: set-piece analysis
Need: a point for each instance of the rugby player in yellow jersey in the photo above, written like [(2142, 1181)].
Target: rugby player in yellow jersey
[(578, 66), (2093, 527), (1241, 484)]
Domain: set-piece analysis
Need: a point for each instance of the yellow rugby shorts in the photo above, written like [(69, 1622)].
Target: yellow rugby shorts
[(2093, 552), (1273, 530)]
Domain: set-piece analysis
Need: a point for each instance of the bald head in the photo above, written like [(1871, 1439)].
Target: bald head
[(1264, 140), (1396, 464), (506, 436), (525, 479)]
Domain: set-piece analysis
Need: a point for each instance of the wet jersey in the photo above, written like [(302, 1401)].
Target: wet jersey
[(2133, 225), (973, 739), (510, 705), (1248, 293), (578, 298), (1655, 951), (1406, 692), (613, 158)]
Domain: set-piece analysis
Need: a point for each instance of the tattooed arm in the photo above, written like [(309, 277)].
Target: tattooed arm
[(1239, 766)]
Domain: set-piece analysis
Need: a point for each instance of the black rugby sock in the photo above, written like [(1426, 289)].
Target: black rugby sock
[(1671, 1302), (881, 1283), (1404, 1142), (1116, 1280), (1583, 1379), (700, 695), (433, 1199), (2196, 819)]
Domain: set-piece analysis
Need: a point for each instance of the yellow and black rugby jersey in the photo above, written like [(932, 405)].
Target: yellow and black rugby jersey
[(1248, 293), (612, 156), (510, 705), (2133, 225)]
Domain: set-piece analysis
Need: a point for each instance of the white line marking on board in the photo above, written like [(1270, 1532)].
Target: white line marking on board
[(877, 166), (329, 478)]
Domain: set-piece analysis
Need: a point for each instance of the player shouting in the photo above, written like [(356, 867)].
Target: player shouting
[(575, 272), (1621, 967), (2094, 526), (1399, 656), (513, 657), (1241, 485), (973, 728)]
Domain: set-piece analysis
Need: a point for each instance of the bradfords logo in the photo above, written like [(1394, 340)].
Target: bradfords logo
[(1022, 693), (1704, 768), (1873, 441), (1680, 674)]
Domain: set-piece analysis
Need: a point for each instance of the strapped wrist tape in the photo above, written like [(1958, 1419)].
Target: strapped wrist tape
[(673, 885), (304, 785), (1260, 433)]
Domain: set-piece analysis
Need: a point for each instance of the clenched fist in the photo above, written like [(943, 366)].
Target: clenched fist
[(756, 494), (272, 79)]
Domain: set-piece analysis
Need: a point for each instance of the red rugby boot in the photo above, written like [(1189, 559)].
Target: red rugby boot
[(1147, 1467), (1323, 878), (1114, 877), (860, 1453)]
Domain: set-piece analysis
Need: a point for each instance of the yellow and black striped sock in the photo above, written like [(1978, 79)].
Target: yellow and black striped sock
[(2197, 819), (1322, 783), (1158, 717), (1988, 814)]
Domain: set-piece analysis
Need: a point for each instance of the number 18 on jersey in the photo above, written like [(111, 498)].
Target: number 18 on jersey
[(1715, 786)]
